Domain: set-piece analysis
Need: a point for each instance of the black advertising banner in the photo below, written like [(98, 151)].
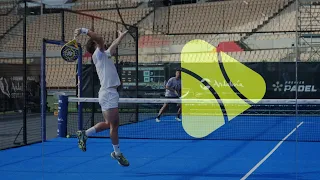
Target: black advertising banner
[(90, 81), (90, 84), (152, 79), (280, 78), (11, 88)]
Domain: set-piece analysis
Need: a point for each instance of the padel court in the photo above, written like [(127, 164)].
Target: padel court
[(226, 50), (261, 156)]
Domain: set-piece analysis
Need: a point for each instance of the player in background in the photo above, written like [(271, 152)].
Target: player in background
[(173, 90), (108, 94)]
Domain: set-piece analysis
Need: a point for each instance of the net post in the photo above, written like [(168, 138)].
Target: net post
[(62, 116), (43, 91), (80, 121)]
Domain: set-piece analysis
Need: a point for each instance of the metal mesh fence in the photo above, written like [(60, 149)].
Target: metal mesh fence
[(261, 32), (20, 78)]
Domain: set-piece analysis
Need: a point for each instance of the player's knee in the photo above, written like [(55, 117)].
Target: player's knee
[(114, 129), (114, 126)]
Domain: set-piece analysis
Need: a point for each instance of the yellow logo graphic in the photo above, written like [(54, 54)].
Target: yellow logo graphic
[(228, 80)]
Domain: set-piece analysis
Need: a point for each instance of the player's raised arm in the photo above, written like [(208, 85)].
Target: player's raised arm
[(94, 36), (116, 42)]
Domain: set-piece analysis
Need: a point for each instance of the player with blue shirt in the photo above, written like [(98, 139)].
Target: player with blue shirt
[(173, 90)]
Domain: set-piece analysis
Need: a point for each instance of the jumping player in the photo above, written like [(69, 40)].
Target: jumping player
[(108, 94), (173, 90)]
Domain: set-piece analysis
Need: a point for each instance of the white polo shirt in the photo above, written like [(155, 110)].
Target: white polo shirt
[(106, 70)]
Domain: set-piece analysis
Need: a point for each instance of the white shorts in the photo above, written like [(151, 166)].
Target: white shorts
[(108, 98)]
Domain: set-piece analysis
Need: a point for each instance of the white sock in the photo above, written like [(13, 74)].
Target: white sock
[(90, 131), (116, 149)]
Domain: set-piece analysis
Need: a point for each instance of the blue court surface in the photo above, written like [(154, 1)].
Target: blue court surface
[(60, 158)]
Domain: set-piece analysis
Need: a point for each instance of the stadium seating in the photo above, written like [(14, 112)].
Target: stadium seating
[(285, 21), (7, 22), (10, 61), (38, 28), (60, 73), (50, 25), (99, 4), (6, 6), (130, 16), (217, 16), (244, 56), (127, 59), (160, 40)]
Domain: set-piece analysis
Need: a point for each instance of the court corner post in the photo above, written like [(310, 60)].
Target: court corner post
[(79, 74), (62, 116), (43, 90), (137, 70)]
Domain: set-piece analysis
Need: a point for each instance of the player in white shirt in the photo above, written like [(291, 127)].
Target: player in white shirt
[(108, 94)]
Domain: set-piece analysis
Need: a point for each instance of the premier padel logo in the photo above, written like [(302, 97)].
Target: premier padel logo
[(277, 86), (290, 86), (203, 68)]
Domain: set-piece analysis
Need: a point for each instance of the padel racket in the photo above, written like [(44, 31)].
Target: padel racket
[(70, 51)]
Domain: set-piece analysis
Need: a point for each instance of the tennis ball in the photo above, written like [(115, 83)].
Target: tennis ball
[(68, 136)]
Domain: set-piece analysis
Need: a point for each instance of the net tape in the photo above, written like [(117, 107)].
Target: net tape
[(203, 101)]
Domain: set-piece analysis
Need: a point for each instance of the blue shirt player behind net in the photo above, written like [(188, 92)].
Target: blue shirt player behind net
[(173, 90)]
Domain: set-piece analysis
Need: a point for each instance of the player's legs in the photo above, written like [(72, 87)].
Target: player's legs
[(178, 113), (110, 113), (99, 127), (112, 116), (161, 111), (83, 135), (108, 101)]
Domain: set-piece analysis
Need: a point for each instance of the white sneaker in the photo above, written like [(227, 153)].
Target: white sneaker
[(178, 119), (157, 120)]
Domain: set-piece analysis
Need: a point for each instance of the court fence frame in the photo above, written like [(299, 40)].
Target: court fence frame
[(301, 32), (44, 86), (79, 87)]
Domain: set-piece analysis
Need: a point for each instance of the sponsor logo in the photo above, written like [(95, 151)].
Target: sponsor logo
[(201, 63), (292, 86)]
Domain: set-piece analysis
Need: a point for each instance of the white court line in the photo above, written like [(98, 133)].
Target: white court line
[(270, 153)]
